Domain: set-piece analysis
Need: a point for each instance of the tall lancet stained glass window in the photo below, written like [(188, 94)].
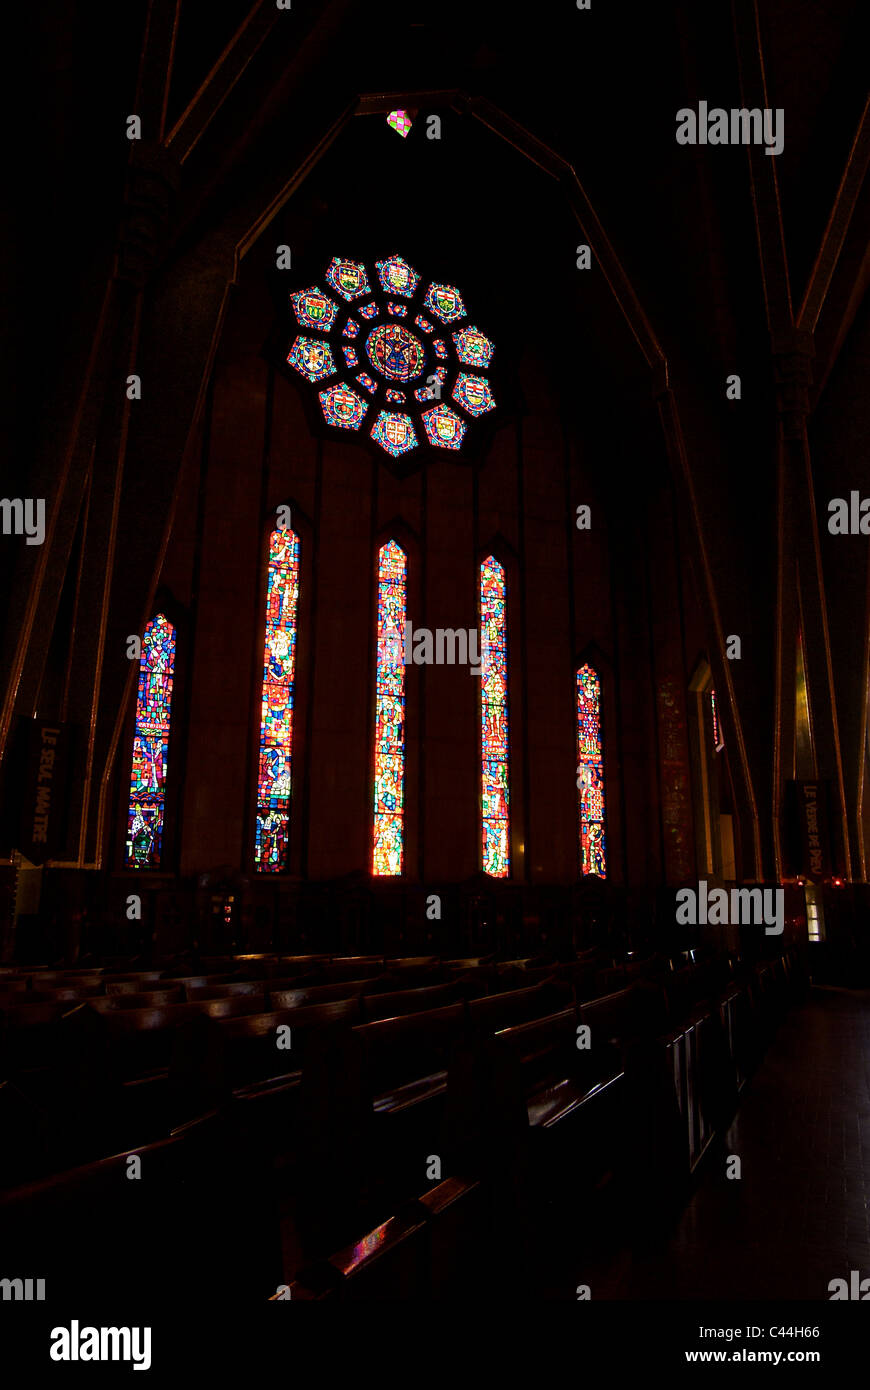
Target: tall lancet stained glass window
[(495, 785), (150, 745), (276, 717), (389, 810), (718, 741), (590, 774)]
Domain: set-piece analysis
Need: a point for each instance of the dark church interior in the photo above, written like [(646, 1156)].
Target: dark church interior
[(434, 750)]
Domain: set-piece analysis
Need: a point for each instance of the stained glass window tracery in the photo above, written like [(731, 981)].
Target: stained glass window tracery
[(495, 780), (147, 802), (276, 717), (389, 799), (590, 774)]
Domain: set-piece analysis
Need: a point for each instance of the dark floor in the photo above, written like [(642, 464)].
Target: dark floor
[(799, 1216)]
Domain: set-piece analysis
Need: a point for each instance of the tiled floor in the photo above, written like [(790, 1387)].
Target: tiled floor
[(799, 1216)]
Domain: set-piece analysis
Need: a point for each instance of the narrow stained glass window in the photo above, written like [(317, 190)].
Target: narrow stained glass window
[(390, 712), (150, 746), (276, 717), (590, 774), (717, 731), (495, 786)]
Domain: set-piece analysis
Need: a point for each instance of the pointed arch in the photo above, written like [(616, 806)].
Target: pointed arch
[(494, 721), (388, 840), (590, 773), (146, 806), (274, 769)]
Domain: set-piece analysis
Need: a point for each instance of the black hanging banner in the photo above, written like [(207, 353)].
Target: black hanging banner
[(812, 798), (43, 789)]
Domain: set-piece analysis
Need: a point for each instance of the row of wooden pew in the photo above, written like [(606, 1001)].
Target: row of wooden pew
[(160, 1053), (347, 1130), (544, 1138)]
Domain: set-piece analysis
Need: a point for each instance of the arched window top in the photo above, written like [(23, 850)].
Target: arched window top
[(393, 355), (158, 646), (147, 801), (392, 559), (590, 773), (271, 846), (389, 797), (495, 772)]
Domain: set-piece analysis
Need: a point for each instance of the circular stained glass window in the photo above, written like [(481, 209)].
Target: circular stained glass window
[(395, 351), (394, 354)]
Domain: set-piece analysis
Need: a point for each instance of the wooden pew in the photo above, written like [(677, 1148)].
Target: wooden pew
[(388, 1264), (196, 981), (253, 1054), (230, 990), (417, 971), (357, 968), (60, 993), (25, 1152), (170, 1068), (134, 984), (148, 999), (156, 1239), (525, 1114), (431, 1250), (617, 1020), (297, 995), (299, 965), (51, 978), (489, 1013), (371, 1109), (29, 1035), (397, 1003), (143, 1035)]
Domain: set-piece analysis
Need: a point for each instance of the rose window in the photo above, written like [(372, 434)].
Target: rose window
[(392, 355)]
